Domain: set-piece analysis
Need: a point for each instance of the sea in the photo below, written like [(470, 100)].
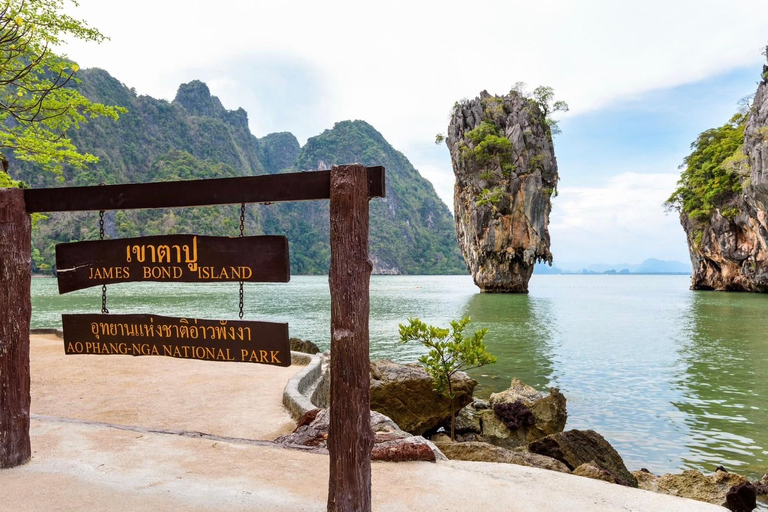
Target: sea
[(675, 379)]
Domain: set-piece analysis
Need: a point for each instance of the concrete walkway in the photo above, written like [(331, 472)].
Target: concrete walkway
[(81, 464)]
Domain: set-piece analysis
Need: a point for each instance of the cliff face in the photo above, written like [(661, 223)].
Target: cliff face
[(729, 251), (506, 172), (195, 137)]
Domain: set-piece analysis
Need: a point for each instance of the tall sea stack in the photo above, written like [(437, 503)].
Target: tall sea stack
[(728, 242), (506, 173)]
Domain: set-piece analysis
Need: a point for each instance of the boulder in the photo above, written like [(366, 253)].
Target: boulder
[(403, 450), (592, 470), (741, 498), (485, 452), (712, 488), (521, 414), (762, 486), (404, 392), (548, 411), (396, 444), (306, 346), (496, 432), (576, 447), (467, 421), (646, 480)]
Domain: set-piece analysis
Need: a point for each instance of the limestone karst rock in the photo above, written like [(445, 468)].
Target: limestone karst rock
[(729, 250), (506, 172)]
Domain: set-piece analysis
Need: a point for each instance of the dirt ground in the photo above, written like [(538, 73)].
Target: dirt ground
[(94, 450)]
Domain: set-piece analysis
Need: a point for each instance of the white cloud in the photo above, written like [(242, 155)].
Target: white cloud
[(622, 221), (400, 65)]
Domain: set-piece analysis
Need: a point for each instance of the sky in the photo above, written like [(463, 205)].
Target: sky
[(642, 80)]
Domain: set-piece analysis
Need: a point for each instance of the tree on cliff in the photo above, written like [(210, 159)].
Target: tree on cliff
[(544, 96), (449, 352), (713, 173), (36, 105)]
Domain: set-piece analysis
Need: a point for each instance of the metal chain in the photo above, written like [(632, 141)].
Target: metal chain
[(104, 310), (242, 233)]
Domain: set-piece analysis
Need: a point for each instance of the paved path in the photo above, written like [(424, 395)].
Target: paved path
[(79, 464)]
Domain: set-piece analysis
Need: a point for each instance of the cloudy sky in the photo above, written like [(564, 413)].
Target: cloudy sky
[(642, 80)]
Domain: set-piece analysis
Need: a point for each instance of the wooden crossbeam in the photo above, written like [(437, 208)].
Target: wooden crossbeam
[(269, 188)]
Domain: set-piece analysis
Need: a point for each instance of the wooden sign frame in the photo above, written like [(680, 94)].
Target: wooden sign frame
[(349, 188)]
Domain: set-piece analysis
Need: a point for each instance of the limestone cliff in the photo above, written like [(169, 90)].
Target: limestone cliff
[(506, 172), (729, 245)]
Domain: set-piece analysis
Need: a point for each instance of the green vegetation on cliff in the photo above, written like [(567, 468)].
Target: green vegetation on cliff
[(713, 173), (411, 229), (195, 137)]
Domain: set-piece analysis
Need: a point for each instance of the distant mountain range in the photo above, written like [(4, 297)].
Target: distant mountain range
[(195, 137), (648, 266)]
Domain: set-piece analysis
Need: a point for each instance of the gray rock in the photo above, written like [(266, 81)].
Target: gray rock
[(306, 346), (468, 421), (496, 432), (646, 480), (484, 452), (731, 253), (576, 447), (502, 241), (543, 415), (404, 392), (694, 485), (595, 472)]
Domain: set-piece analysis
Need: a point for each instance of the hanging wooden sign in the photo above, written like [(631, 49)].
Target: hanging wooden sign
[(186, 338), (182, 258)]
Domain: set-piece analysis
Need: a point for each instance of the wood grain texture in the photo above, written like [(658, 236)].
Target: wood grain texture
[(173, 258), (350, 438), (15, 311), (298, 186)]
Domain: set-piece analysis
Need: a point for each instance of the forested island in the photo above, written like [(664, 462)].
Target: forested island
[(195, 137)]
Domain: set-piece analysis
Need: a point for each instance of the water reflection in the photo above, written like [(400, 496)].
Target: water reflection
[(723, 382), (520, 331)]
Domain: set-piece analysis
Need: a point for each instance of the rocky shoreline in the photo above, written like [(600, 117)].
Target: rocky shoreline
[(520, 425)]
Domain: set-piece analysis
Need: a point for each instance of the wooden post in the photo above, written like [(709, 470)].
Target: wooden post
[(350, 438), (15, 310)]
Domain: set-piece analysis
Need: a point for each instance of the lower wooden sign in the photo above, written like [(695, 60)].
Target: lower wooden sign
[(187, 338)]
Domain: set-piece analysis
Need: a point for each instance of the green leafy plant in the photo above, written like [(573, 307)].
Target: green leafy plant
[(489, 148), (485, 175), (544, 97), (490, 197), (37, 104), (450, 351), (713, 172)]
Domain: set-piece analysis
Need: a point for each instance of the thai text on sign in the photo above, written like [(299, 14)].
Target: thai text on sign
[(186, 338), (182, 258)]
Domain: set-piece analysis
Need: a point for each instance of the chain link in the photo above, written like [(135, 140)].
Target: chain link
[(104, 310), (242, 233)]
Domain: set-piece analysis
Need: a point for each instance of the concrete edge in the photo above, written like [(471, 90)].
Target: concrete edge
[(295, 397), (49, 330)]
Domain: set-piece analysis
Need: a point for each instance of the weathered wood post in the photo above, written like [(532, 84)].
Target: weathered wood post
[(350, 438), (15, 310)]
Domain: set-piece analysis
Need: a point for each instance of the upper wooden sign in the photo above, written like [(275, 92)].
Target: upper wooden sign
[(185, 258)]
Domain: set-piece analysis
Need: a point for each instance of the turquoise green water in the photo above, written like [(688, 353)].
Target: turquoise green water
[(674, 379)]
